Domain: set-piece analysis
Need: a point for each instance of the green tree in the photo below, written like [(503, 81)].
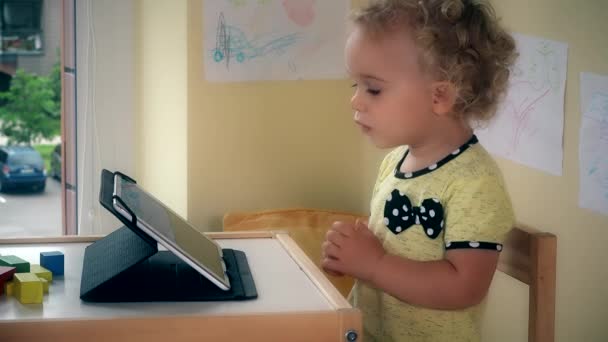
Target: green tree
[(32, 107)]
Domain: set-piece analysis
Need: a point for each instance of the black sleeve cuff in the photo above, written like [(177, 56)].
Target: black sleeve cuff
[(473, 245)]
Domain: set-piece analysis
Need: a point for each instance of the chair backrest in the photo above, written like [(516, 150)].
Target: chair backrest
[(530, 256), (307, 228)]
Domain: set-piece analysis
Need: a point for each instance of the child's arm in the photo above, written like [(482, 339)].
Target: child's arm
[(460, 280)]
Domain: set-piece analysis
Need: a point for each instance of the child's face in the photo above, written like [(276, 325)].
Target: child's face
[(392, 100)]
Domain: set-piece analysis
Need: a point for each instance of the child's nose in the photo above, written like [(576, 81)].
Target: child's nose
[(356, 102)]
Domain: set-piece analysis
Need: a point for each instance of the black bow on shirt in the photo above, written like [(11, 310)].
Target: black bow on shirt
[(399, 214)]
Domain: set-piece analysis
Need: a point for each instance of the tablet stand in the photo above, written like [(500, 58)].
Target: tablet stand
[(110, 257), (126, 266), (123, 267)]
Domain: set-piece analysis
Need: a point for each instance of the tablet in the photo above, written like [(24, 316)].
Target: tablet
[(170, 230)]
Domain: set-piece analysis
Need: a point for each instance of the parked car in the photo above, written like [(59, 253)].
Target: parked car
[(21, 166), (55, 170)]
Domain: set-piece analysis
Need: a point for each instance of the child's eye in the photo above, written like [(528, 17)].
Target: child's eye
[(371, 91), (374, 92)]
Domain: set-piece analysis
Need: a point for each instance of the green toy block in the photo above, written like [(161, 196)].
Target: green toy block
[(21, 265), (41, 272), (28, 288), (9, 288), (45, 285)]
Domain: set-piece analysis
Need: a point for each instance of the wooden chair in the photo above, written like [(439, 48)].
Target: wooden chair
[(307, 227), (530, 257)]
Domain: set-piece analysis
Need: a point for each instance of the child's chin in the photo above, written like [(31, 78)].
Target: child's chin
[(379, 143)]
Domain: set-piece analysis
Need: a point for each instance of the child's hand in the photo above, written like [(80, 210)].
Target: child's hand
[(351, 249)]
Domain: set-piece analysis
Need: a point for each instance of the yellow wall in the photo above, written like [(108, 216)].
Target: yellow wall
[(273, 144), (264, 145), (551, 203), (162, 165)]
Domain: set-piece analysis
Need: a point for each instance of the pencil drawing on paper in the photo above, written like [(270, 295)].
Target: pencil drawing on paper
[(597, 168), (528, 125), (247, 40), (232, 43), (530, 85)]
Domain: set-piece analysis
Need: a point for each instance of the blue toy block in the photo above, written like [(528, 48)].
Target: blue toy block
[(52, 261)]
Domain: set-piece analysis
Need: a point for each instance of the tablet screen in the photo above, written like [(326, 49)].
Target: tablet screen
[(171, 227)]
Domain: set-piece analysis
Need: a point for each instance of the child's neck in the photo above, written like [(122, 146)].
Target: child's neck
[(436, 146)]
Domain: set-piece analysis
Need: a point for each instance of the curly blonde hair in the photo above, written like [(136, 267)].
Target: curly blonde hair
[(461, 42)]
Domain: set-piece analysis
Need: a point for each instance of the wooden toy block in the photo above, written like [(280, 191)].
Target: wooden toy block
[(41, 272), (45, 285), (28, 288), (6, 274), (9, 288), (52, 261), (21, 265)]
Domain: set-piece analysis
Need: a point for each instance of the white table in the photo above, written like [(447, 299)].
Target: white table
[(295, 301)]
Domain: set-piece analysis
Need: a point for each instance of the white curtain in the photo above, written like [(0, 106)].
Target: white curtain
[(105, 92)]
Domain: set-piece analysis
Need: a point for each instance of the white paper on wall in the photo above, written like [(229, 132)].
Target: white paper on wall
[(593, 147), (528, 127), (246, 40)]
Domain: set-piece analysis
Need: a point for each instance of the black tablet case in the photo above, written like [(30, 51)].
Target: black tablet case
[(126, 266)]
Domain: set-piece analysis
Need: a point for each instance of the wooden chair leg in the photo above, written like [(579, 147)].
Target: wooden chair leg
[(543, 252)]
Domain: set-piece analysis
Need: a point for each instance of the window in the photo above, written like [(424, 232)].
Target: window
[(20, 26), (30, 116), (96, 87)]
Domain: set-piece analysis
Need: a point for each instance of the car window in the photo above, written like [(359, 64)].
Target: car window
[(2, 157), (25, 158)]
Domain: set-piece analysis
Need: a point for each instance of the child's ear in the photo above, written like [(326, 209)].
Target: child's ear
[(444, 97)]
